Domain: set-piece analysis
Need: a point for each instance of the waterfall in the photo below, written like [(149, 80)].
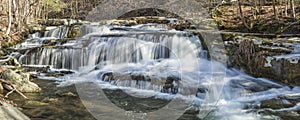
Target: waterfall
[(129, 54), (149, 57)]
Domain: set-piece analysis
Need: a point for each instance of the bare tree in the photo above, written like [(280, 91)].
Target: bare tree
[(9, 17), (274, 9), (242, 15), (286, 8), (292, 5)]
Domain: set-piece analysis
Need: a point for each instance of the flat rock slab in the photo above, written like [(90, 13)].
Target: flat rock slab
[(8, 112)]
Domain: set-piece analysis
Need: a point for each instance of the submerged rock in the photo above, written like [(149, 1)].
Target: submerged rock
[(50, 100), (21, 81), (65, 94), (33, 104)]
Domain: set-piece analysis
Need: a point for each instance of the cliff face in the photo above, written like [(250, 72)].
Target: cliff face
[(277, 59)]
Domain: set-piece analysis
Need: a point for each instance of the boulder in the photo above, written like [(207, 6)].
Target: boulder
[(21, 81)]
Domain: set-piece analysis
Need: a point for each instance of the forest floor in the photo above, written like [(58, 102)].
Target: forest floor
[(228, 18), (15, 35)]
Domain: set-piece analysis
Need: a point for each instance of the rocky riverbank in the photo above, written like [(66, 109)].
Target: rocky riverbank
[(14, 81), (277, 58), (263, 21)]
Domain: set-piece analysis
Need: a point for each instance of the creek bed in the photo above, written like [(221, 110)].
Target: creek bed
[(64, 103)]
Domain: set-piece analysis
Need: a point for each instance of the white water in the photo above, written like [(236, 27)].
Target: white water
[(154, 53)]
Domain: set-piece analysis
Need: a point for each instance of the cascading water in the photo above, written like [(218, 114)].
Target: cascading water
[(154, 58)]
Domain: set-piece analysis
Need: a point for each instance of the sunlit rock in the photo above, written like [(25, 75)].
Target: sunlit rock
[(8, 112), (21, 81)]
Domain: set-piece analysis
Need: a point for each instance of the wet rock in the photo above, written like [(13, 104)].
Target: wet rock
[(36, 28), (281, 115), (10, 61), (59, 22), (252, 85), (276, 104), (74, 32), (171, 85), (8, 112), (65, 94), (21, 81), (138, 77), (52, 100), (13, 61), (168, 84), (108, 76), (41, 69), (201, 92), (53, 22), (124, 22), (69, 94)]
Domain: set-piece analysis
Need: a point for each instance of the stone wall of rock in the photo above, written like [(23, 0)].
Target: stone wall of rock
[(277, 59)]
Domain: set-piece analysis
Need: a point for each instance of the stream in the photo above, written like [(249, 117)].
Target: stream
[(145, 71)]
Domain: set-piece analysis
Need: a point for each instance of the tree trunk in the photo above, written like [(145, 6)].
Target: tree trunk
[(260, 7), (255, 9), (242, 15), (9, 17), (274, 9), (17, 16), (293, 14), (286, 8)]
